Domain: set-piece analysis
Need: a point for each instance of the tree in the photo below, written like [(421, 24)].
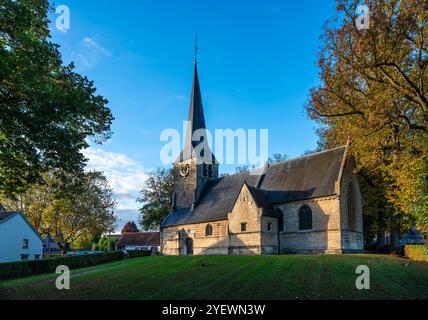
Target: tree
[(69, 208), (277, 157), (82, 205), (374, 92), (47, 111), (156, 198), (107, 243), (130, 226), (242, 169)]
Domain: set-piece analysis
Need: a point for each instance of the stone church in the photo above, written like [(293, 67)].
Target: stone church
[(310, 204)]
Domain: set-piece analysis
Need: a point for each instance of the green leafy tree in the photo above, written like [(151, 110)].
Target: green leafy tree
[(47, 111), (107, 243), (373, 91), (156, 198), (69, 208), (277, 157)]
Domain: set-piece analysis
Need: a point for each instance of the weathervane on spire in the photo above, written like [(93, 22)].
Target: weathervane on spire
[(196, 49)]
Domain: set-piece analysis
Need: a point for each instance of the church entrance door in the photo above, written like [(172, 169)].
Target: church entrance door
[(189, 246)]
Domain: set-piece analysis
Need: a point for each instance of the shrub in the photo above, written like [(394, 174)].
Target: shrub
[(139, 253), (416, 252), (24, 268)]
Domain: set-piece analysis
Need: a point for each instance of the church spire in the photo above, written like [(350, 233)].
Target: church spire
[(195, 121), (196, 118)]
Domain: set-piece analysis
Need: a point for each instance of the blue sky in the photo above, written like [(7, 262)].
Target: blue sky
[(256, 62)]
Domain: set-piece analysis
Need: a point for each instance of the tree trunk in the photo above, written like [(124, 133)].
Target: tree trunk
[(64, 247), (380, 238), (395, 234)]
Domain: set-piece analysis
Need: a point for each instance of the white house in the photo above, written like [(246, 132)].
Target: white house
[(18, 238), (139, 241)]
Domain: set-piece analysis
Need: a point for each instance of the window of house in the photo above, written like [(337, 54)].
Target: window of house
[(24, 257), (243, 227), (37, 256), (205, 170), (210, 170), (25, 243), (269, 226), (208, 230), (351, 207), (305, 218)]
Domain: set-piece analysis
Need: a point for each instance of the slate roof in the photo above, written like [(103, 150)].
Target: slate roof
[(306, 177), (262, 201), (4, 215), (196, 121), (139, 239), (216, 201)]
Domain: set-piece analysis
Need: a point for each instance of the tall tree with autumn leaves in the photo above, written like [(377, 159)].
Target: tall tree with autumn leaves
[(373, 91)]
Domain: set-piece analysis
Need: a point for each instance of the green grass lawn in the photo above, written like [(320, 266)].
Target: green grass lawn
[(233, 277)]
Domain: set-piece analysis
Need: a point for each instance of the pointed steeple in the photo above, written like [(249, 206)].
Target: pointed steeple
[(196, 118), (196, 123)]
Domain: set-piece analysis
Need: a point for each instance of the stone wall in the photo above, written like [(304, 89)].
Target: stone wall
[(189, 188), (173, 238), (325, 234), (270, 239), (184, 187), (245, 211), (352, 239)]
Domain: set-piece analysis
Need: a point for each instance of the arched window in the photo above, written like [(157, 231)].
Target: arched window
[(305, 218), (351, 207), (208, 230), (210, 170)]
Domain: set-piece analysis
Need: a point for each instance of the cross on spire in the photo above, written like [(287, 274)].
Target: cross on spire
[(196, 49)]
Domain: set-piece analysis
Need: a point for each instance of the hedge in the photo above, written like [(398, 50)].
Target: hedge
[(138, 253), (18, 269), (416, 252)]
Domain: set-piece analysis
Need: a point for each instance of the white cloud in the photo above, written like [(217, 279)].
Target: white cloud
[(84, 62), (125, 175), (90, 43), (89, 54)]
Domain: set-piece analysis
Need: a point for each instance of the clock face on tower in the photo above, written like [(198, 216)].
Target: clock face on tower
[(184, 170)]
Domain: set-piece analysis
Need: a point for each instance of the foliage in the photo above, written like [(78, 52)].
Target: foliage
[(25, 268), (277, 157), (416, 252), (242, 169), (107, 243), (68, 208), (138, 253), (47, 111), (374, 92), (130, 226), (156, 198), (85, 242)]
